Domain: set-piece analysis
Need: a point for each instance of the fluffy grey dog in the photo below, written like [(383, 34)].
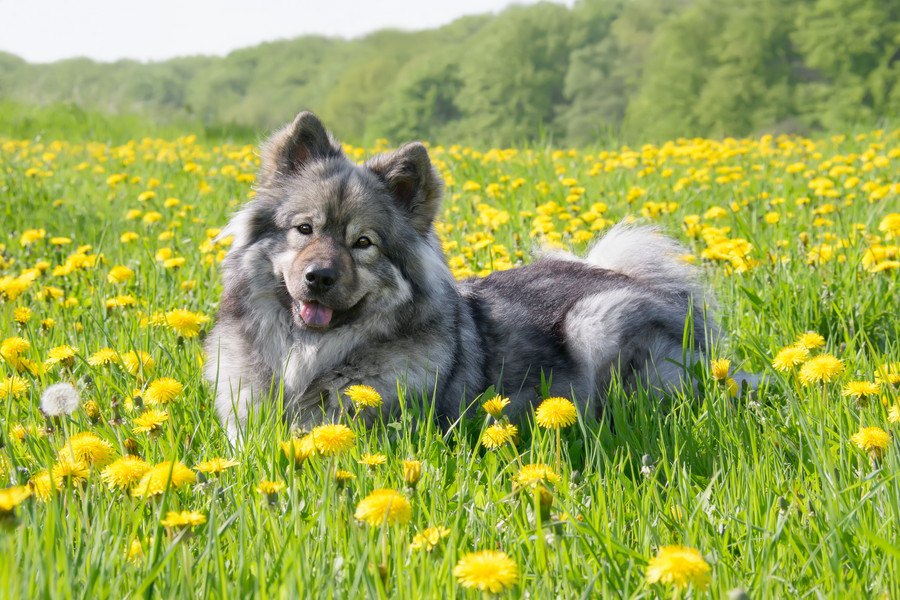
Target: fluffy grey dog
[(336, 277)]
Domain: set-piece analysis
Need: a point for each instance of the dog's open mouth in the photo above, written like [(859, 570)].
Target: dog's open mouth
[(313, 314)]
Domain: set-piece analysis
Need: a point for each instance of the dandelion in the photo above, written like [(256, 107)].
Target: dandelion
[(60, 399), (720, 368), (498, 434), (412, 472), (12, 497), (125, 472), (298, 450), (103, 356), (216, 465), (271, 488), (135, 552), (535, 474), (185, 323), (555, 413), (42, 485), (429, 538), (679, 566), (790, 357), (488, 571), (342, 477), (860, 389), (156, 480), (894, 414), (12, 348), (811, 340), (12, 387), (69, 470), (495, 406), (873, 440), (22, 314), (372, 460), (119, 274), (384, 506), (89, 448), (821, 369), (332, 439), (63, 355), (183, 520), (138, 362), (163, 390), (364, 396)]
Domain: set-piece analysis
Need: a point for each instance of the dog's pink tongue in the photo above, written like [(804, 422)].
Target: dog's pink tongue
[(315, 314)]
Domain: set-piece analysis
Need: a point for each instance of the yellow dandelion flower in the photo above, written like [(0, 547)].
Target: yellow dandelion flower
[(42, 485), (299, 449), (13, 387), (162, 391), (860, 389), (64, 355), (119, 274), (790, 357), (372, 460), (12, 497), (103, 356), (332, 439), (68, 470), (185, 323), (384, 506), (22, 314), (412, 472), (873, 440), (498, 434), (720, 368), (137, 362), (216, 465), (495, 406), (271, 488), (535, 474), (12, 348), (429, 538), (156, 480), (135, 552), (811, 340), (89, 448), (342, 476), (150, 421), (894, 414), (488, 571), (821, 369), (364, 396), (556, 413), (183, 519), (679, 566), (124, 472)]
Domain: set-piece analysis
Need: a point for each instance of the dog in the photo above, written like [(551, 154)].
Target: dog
[(336, 276)]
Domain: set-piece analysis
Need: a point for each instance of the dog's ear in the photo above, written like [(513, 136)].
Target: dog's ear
[(294, 145), (413, 182)]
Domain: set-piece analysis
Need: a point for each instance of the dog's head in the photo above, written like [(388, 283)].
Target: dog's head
[(345, 241)]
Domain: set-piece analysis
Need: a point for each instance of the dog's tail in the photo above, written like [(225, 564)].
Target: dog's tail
[(646, 255)]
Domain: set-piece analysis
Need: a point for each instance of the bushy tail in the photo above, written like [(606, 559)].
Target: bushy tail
[(646, 255)]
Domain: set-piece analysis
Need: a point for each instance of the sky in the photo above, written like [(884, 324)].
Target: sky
[(108, 30)]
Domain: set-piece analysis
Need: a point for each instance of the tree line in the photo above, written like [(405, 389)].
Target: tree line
[(629, 69)]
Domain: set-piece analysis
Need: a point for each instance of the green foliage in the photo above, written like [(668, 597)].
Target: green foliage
[(638, 69)]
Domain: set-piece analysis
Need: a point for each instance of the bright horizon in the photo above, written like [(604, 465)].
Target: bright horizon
[(42, 31)]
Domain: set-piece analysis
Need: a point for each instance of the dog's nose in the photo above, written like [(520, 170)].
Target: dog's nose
[(320, 278)]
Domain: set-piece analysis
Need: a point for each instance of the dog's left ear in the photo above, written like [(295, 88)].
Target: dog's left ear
[(413, 182)]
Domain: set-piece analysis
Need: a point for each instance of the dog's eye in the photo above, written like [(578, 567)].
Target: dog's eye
[(305, 228), (362, 242)]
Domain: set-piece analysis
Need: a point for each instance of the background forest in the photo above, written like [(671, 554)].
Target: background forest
[(633, 70)]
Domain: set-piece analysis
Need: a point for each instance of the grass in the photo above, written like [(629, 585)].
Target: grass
[(769, 489)]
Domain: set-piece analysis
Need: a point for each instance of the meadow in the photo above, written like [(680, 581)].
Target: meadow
[(129, 488)]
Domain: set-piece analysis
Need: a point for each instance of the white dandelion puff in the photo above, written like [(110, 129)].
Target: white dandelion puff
[(60, 399)]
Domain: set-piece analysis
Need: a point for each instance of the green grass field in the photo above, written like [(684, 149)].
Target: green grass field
[(774, 491)]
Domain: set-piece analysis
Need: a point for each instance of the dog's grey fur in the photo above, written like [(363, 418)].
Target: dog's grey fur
[(399, 315)]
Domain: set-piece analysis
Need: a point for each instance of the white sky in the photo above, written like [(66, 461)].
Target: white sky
[(107, 30)]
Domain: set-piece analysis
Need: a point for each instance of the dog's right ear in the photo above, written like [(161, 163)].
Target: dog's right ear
[(294, 145)]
